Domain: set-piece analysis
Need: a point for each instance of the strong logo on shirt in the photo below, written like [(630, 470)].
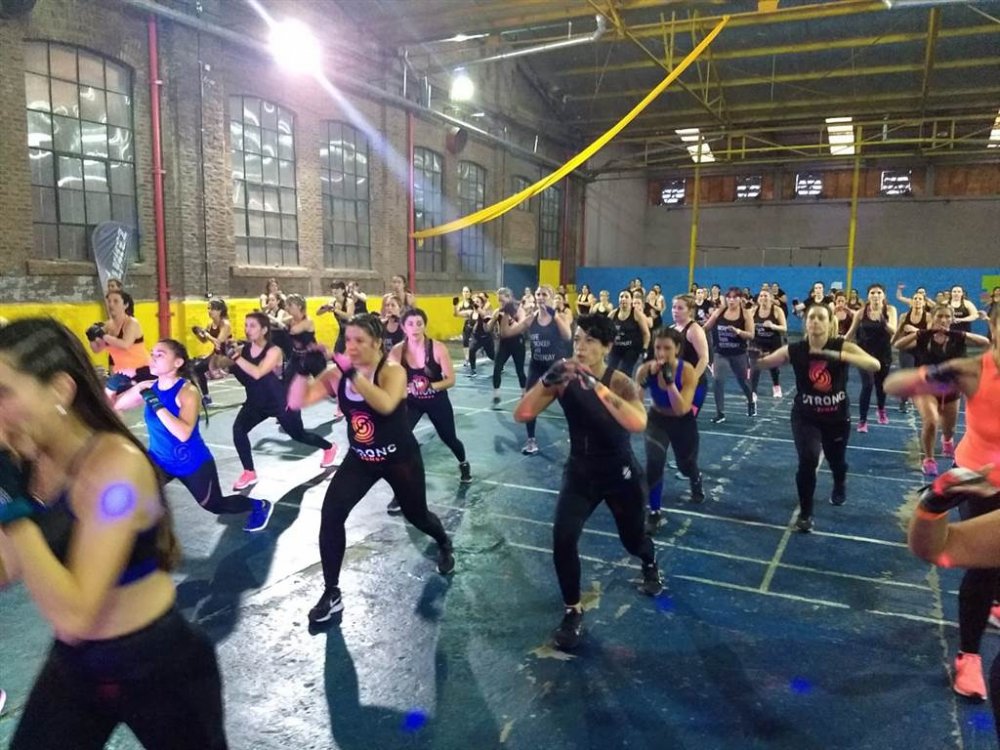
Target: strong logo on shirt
[(363, 427), (820, 376), (420, 387)]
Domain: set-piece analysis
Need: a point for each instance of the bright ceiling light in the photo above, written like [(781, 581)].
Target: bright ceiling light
[(294, 47), (464, 37), (701, 152), (841, 134), (994, 141), (462, 87)]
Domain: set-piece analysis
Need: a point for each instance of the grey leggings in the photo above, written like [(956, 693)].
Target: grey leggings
[(738, 364)]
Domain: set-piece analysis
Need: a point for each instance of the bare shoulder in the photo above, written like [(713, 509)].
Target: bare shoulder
[(115, 462)]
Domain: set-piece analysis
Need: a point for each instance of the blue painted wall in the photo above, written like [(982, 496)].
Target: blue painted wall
[(795, 280)]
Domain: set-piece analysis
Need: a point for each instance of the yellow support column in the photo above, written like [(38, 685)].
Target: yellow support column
[(693, 250), (852, 231)]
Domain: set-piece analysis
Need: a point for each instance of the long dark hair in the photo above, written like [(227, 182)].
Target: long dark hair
[(43, 348), (186, 370)]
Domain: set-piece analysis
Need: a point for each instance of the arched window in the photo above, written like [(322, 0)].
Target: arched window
[(80, 146), (471, 198), (428, 196), (262, 156), (347, 233)]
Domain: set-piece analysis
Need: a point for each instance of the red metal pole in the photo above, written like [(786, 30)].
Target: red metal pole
[(162, 291), (411, 255)]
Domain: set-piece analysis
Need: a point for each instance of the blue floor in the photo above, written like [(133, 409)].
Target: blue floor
[(765, 638)]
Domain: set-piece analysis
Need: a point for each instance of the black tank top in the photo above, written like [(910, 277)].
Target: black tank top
[(302, 340), (729, 343), (56, 523), (688, 353), (844, 324), (593, 432), (545, 346), (766, 339), (375, 438), (628, 335), (214, 331), (583, 306), (820, 383), (419, 379), (960, 311), (266, 393), (463, 306), (873, 335), (928, 351), (391, 338)]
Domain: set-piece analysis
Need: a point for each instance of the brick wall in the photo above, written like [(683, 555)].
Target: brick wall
[(199, 73)]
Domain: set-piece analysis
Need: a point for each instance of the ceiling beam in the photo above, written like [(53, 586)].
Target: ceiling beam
[(933, 26), (792, 49), (874, 70)]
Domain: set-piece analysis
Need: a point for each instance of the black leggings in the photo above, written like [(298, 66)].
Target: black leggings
[(535, 372), (201, 367), (624, 359), (868, 379), (979, 585), (442, 416), (810, 437), (481, 342), (679, 433), (582, 491), (755, 373), (290, 420), (738, 365), (351, 483), (203, 484), (512, 346), (162, 682)]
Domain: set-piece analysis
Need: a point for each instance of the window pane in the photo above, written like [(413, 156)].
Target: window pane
[(72, 242), (119, 110), (236, 135), (253, 167), (239, 194), (122, 178), (269, 170), (255, 198), (257, 253), (91, 70), (271, 204), (95, 176), (44, 204), (288, 201), (95, 139), (290, 253), (242, 251), (123, 209), (98, 208), (36, 92), (239, 223), (274, 256), (269, 116), (71, 206), (255, 224), (251, 139), (70, 173), (251, 111), (46, 241), (39, 130), (269, 142), (120, 144), (67, 134), (272, 225), (62, 62), (285, 122), (287, 175), (41, 167), (65, 99), (92, 104), (289, 228), (119, 78), (36, 57), (286, 148)]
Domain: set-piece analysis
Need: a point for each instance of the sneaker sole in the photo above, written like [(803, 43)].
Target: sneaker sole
[(238, 487), (338, 607), (971, 696), (267, 520)]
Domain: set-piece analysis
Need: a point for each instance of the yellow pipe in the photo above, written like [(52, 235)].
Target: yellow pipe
[(693, 249), (852, 230)]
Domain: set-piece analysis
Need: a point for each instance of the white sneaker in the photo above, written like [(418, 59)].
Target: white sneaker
[(530, 448), (776, 391)]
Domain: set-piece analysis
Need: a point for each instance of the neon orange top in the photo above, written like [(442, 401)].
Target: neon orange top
[(131, 359), (981, 443)]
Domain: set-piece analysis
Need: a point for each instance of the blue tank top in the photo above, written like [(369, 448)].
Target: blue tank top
[(660, 396), (175, 457)]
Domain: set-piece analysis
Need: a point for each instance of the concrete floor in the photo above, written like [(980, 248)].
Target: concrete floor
[(764, 639)]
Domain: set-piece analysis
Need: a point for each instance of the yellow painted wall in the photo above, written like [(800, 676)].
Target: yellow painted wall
[(184, 314), (548, 272)]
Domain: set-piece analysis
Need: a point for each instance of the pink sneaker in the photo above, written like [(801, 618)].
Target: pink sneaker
[(776, 391), (329, 456), (247, 479), (862, 426), (883, 418), (948, 447), (969, 676), (930, 467)]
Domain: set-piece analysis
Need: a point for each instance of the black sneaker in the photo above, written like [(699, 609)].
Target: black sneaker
[(751, 408), (445, 559), (652, 584), (328, 605), (496, 402), (259, 516), (393, 508), (567, 635), (839, 495), (718, 419), (804, 524), (697, 491), (466, 470), (653, 522)]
